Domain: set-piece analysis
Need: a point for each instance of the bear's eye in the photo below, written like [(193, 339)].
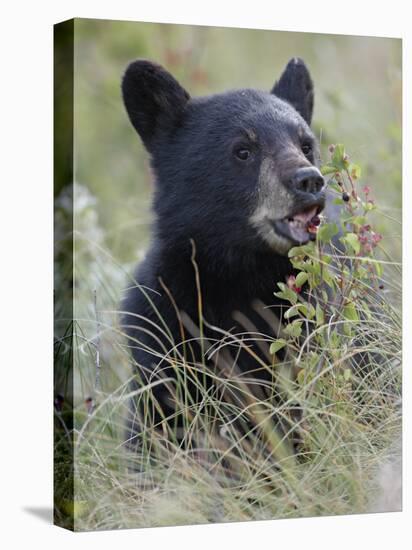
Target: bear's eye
[(242, 153), (306, 149)]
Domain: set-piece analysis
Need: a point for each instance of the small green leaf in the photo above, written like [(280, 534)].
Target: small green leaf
[(353, 241), (338, 157), (368, 206), (320, 317), (303, 308), (277, 345), (301, 279), (304, 250), (297, 263), (295, 251), (359, 220), (355, 171), (301, 377), (327, 231), (292, 311), (307, 310), (350, 313), (288, 295), (328, 277), (294, 329), (328, 169)]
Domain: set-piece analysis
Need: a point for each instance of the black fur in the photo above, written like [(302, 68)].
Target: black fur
[(154, 100), (205, 197), (296, 87)]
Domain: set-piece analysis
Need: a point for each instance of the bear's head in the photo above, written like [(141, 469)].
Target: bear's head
[(236, 171)]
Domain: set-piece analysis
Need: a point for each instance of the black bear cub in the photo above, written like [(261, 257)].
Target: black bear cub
[(237, 185)]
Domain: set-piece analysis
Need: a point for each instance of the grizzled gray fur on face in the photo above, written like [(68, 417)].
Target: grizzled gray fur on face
[(237, 184)]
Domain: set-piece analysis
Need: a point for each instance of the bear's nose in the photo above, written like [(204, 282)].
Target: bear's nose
[(308, 180)]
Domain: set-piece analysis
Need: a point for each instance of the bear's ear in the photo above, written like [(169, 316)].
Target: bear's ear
[(154, 100), (296, 87)]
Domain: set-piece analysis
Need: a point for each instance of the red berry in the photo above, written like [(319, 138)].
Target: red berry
[(291, 282)]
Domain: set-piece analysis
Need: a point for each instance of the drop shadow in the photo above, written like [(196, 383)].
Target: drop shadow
[(42, 512)]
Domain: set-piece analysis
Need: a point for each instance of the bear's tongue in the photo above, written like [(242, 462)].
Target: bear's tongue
[(303, 223)]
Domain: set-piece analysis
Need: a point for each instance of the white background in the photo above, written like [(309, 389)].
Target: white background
[(26, 271)]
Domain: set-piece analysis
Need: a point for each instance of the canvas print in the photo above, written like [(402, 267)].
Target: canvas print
[(227, 275)]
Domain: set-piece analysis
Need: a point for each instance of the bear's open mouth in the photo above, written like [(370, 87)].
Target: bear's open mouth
[(301, 226)]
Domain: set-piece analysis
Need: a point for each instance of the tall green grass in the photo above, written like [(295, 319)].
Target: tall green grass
[(347, 435)]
